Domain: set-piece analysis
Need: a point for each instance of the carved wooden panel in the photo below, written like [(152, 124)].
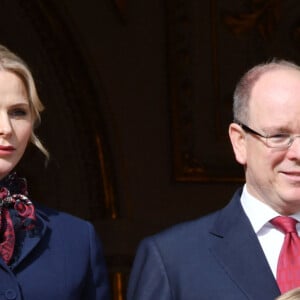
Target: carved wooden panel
[(210, 44)]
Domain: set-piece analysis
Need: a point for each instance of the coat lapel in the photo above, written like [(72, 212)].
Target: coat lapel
[(237, 249), (30, 242)]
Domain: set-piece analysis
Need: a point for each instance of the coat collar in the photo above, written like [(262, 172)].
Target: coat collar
[(236, 247), (30, 242)]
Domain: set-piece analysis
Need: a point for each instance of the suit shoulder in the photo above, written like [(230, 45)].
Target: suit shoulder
[(186, 232), (203, 225), (199, 224)]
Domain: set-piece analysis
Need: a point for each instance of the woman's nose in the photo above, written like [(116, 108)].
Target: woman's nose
[(5, 125)]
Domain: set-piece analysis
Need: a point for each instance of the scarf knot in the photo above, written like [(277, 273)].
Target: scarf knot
[(21, 204), (16, 211)]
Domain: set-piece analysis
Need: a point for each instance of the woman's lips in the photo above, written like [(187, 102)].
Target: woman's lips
[(6, 150)]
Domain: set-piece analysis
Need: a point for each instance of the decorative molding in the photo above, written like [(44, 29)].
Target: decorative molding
[(119, 274), (79, 104), (263, 16), (188, 166), (121, 8), (210, 44)]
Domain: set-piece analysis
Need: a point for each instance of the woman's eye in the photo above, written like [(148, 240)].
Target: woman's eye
[(18, 112)]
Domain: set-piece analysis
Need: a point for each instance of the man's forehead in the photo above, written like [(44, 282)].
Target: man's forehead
[(279, 73)]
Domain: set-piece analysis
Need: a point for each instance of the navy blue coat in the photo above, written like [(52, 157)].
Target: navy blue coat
[(215, 257), (64, 261)]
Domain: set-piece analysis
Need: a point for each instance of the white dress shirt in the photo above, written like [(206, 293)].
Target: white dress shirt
[(270, 238)]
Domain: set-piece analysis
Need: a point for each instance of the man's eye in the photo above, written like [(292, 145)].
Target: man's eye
[(280, 136)]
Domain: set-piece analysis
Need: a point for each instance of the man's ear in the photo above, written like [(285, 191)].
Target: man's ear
[(238, 142)]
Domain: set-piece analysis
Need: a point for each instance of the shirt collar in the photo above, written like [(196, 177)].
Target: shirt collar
[(252, 206)]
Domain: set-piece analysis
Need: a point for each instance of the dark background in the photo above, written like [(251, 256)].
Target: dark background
[(138, 101)]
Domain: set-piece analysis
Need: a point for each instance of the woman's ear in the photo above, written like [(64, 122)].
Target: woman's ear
[(238, 142)]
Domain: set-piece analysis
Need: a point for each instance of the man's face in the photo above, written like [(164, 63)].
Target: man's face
[(273, 175)]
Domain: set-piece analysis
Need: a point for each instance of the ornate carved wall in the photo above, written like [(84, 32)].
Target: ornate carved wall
[(211, 43)]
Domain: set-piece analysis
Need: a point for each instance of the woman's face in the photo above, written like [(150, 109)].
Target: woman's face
[(16, 122)]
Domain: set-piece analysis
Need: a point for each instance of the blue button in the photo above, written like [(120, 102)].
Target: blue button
[(10, 294)]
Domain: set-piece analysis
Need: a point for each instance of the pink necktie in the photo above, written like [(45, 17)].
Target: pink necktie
[(288, 267)]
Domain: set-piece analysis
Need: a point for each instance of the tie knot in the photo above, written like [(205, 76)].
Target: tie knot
[(285, 224)]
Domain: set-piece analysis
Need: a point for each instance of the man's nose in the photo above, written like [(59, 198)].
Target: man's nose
[(294, 149)]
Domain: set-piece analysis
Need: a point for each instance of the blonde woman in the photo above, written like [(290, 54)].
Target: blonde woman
[(44, 254)]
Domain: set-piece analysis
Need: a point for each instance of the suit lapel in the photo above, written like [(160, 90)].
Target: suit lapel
[(237, 249)]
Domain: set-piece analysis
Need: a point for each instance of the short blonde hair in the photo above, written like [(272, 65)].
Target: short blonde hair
[(290, 295), (10, 62)]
